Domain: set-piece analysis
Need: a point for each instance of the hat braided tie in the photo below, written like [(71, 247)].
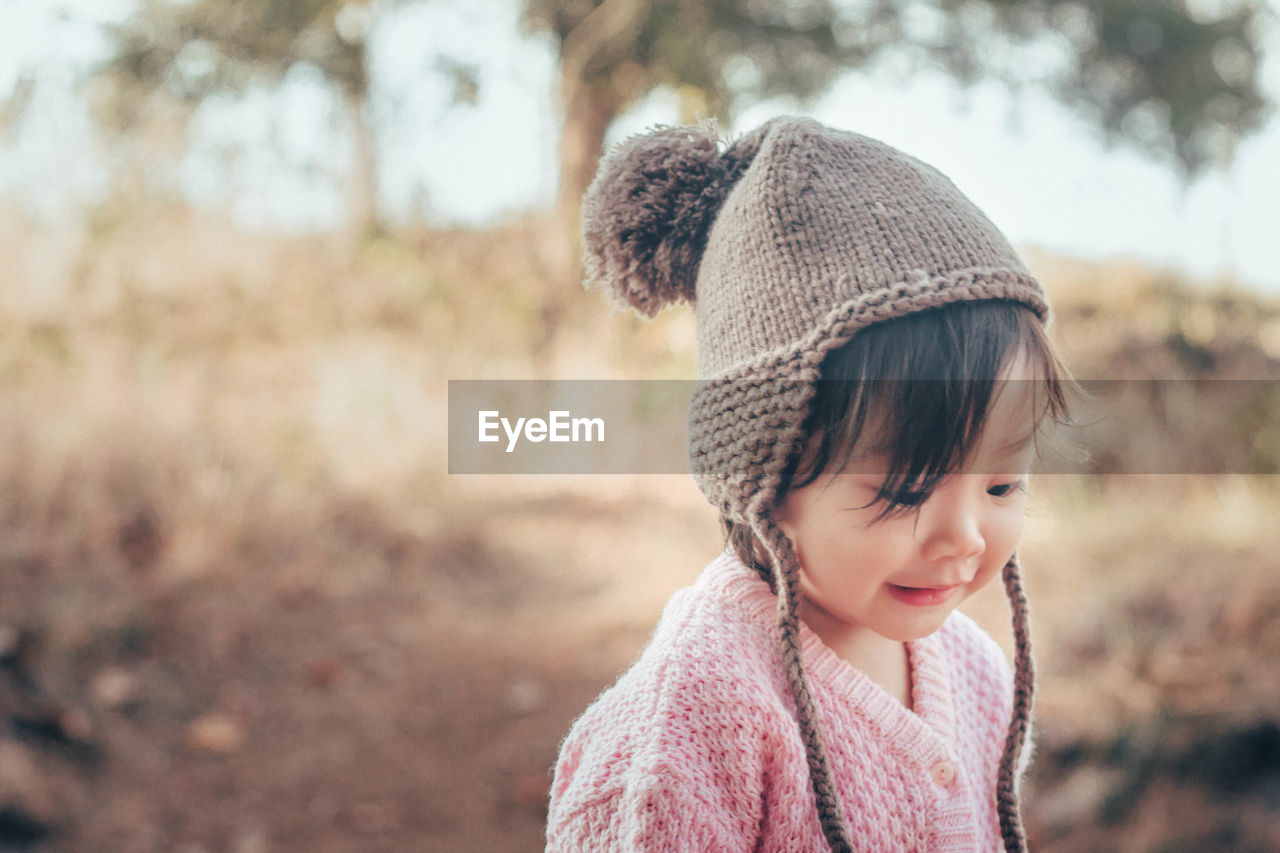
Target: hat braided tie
[(787, 579), (1024, 676)]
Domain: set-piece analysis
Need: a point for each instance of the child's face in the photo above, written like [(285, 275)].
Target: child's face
[(901, 577)]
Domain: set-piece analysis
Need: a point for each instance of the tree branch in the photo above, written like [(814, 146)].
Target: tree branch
[(605, 33)]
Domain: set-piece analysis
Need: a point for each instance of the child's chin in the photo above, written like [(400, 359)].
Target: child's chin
[(908, 630)]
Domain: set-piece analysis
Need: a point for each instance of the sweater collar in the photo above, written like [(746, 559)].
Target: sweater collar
[(922, 731)]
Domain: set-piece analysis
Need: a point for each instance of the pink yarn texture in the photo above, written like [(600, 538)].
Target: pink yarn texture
[(696, 747)]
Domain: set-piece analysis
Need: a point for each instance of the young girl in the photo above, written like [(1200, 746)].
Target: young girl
[(874, 369)]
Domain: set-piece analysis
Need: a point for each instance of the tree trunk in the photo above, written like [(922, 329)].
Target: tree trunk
[(594, 53), (589, 107), (593, 50), (362, 219)]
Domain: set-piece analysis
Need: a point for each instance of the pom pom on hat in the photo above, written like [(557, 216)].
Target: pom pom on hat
[(646, 216)]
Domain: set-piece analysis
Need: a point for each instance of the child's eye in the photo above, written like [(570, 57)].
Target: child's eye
[(1004, 490)]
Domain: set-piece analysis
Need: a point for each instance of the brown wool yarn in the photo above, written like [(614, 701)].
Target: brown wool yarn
[(787, 242)]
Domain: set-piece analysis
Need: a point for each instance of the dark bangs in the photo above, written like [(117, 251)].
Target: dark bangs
[(916, 391)]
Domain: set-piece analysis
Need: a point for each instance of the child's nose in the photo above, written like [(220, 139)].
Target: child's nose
[(951, 527)]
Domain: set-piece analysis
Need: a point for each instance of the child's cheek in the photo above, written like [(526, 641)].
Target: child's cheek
[(1009, 534)]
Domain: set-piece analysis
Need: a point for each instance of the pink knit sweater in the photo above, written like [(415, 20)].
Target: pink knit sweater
[(696, 747)]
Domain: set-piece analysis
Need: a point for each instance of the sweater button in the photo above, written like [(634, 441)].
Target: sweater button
[(944, 773)]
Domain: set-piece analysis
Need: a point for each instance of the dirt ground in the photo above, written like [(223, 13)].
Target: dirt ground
[(418, 704), (419, 709)]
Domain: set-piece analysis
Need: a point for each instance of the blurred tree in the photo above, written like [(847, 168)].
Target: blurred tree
[(193, 49), (1173, 77), (13, 107)]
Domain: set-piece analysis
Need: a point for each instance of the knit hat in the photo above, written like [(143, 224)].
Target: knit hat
[(788, 242)]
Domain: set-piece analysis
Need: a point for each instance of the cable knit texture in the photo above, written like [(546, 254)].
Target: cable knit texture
[(696, 747)]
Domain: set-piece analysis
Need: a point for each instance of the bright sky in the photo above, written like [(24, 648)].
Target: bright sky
[(1042, 175)]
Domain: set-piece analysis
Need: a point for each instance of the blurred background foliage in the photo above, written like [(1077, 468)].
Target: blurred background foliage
[(1178, 81), (244, 607)]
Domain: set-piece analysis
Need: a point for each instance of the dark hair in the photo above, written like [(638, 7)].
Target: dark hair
[(920, 386)]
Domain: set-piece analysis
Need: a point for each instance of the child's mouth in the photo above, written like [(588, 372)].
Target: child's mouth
[(922, 596)]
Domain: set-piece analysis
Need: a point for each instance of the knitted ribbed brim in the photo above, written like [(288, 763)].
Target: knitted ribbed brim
[(788, 242)]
